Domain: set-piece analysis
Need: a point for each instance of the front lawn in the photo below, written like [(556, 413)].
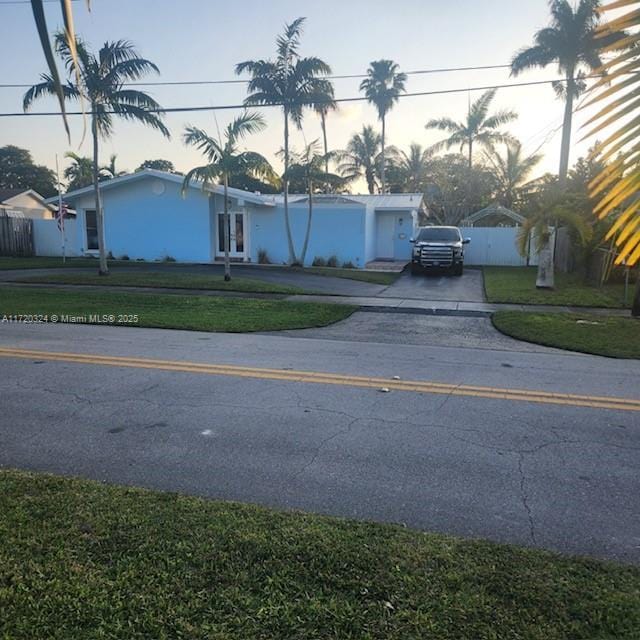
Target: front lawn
[(80, 559), (373, 277), (43, 262), (518, 285), (600, 335), (174, 280), (199, 313)]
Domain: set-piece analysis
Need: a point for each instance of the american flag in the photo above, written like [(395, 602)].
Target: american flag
[(60, 215)]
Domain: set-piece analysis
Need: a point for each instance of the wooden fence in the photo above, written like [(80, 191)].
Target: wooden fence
[(16, 236)]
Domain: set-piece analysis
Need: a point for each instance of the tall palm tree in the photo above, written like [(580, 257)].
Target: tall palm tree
[(79, 173), (570, 41), (361, 157), (411, 168), (225, 160), (292, 82), (617, 186), (323, 109), (99, 82), (479, 127), (382, 87), (310, 167), (511, 171)]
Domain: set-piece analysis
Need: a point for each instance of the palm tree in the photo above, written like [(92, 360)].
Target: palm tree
[(411, 169), (110, 171), (79, 173), (293, 83), (382, 87), (479, 128), (323, 109), (310, 167), (617, 186), (225, 160), (361, 157), (551, 207), (571, 42), (511, 171), (99, 82)]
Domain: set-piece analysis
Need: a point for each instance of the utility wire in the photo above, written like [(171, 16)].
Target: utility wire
[(169, 83), (279, 104)]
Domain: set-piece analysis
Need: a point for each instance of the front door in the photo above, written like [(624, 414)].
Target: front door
[(385, 231), (237, 235)]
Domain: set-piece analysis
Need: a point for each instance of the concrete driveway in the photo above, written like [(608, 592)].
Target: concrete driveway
[(438, 286)]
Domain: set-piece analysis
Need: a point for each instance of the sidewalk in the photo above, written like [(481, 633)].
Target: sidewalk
[(377, 304)]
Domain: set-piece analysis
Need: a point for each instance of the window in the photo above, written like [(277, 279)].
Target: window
[(439, 234), (91, 223)]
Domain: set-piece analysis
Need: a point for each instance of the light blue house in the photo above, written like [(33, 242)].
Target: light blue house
[(147, 217)]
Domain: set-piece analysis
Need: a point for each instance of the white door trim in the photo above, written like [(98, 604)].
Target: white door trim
[(233, 240)]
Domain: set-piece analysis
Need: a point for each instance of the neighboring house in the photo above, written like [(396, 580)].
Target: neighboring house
[(25, 203), (147, 217)]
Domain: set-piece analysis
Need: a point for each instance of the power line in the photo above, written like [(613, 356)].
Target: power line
[(161, 83), (279, 104)]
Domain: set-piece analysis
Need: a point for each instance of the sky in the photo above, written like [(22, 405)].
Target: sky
[(204, 39)]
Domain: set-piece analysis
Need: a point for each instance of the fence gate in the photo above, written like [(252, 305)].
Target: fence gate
[(16, 236)]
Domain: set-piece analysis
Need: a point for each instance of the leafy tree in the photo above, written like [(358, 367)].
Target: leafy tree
[(158, 165), (382, 87), (409, 171), (308, 167), (479, 127), (570, 41), (454, 191), (271, 184), (292, 82), (18, 171), (79, 174), (99, 81), (225, 160), (511, 172), (362, 157)]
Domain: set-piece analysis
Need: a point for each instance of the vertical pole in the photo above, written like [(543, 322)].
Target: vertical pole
[(60, 213)]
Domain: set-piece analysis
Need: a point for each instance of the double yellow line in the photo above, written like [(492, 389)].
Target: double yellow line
[(415, 386)]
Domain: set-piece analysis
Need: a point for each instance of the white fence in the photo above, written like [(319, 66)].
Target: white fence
[(494, 246), (47, 238)]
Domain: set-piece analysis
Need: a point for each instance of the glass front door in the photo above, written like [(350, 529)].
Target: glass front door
[(237, 238)]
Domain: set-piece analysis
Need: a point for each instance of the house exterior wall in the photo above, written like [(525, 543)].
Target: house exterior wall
[(29, 206), (335, 230), (150, 219), (403, 231)]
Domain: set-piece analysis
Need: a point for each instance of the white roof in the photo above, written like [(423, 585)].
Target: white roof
[(105, 185), (393, 201)]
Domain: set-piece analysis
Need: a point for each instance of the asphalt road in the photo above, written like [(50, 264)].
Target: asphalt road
[(529, 469)]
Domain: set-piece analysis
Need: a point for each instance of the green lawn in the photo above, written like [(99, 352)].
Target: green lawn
[(42, 262), (81, 559), (373, 277), (518, 285), (600, 335), (166, 279), (200, 313)]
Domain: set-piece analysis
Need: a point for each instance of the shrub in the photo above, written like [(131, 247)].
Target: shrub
[(348, 265), (110, 256), (124, 257), (319, 261), (169, 259), (140, 260), (332, 261), (263, 257)]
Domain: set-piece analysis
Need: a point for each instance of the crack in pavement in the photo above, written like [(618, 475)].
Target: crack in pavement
[(525, 498)]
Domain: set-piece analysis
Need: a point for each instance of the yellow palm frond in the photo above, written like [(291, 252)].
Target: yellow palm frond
[(618, 186)]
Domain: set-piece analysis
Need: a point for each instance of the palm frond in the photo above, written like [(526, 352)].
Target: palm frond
[(205, 175)]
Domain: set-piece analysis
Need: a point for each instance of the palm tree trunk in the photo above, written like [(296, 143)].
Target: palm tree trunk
[(285, 184), (323, 124), (227, 234), (565, 148), (103, 268), (470, 153), (308, 232), (545, 278), (635, 307), (383, 168)]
